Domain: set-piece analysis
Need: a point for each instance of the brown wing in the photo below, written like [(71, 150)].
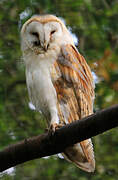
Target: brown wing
[(75, 94)]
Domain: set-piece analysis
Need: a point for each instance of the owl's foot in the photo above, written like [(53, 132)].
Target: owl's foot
[(53, 127)]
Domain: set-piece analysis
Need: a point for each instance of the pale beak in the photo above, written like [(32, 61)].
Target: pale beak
[(45, 46)]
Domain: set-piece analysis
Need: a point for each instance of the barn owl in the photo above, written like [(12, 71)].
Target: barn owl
[(59, 81)]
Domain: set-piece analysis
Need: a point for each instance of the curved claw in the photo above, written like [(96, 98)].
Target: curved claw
[(53, 127)]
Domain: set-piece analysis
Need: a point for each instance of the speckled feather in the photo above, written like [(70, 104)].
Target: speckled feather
[(75, 94)]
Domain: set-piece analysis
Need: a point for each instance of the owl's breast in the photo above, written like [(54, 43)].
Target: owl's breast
[(40, 88)]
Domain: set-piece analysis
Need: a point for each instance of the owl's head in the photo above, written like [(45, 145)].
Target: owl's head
[(41, 33)]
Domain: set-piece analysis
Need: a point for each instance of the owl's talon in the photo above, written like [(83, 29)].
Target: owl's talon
[(54, 127)]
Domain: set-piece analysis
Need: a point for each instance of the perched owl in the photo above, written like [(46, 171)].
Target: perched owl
[(59, 81)]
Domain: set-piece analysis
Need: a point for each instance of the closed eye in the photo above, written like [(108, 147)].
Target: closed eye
[(35, 34), (52, 32)]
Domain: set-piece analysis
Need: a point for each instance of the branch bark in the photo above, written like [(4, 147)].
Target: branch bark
[(45, 145)]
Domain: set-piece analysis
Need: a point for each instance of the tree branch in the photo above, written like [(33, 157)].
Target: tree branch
[(45, 145)]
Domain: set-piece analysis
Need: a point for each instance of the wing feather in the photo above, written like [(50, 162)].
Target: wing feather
[(75, 94)]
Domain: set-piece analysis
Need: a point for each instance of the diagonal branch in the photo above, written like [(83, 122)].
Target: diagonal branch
[(45, 145)]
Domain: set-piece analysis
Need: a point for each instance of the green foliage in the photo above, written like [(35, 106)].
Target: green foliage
[(95, 25)]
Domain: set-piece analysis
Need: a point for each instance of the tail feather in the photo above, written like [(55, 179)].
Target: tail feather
[(81, 154)]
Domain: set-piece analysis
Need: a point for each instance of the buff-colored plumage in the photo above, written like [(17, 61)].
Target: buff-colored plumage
[(59, 81)]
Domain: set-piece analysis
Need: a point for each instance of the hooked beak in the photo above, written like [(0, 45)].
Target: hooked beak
[(45, 46)]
